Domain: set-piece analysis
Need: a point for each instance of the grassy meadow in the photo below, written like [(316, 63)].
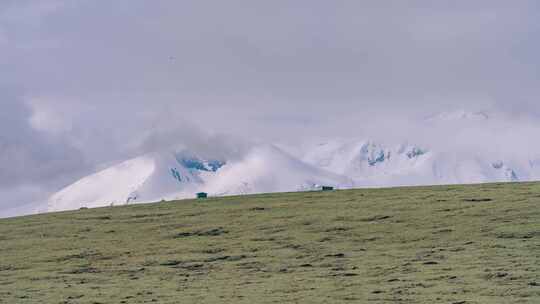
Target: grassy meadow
[(442, 244)]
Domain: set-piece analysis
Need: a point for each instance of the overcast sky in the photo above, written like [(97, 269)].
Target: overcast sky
[(85, 83)]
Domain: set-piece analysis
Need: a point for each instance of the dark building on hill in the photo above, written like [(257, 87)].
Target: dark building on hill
[(202, 195)]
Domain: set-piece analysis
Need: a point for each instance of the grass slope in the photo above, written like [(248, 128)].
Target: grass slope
[(445, 244)]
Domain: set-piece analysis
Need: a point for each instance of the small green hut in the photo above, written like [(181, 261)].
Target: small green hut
[(202, 195)]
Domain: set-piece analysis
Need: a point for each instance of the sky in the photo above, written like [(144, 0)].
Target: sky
[(86, 83)]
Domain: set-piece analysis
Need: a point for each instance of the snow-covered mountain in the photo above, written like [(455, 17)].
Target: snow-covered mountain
[(370, 164), (158, 176), (267, 168), (146, 178), (342, 163)]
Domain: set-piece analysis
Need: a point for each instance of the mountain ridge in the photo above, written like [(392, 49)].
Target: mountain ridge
[(342, 164)]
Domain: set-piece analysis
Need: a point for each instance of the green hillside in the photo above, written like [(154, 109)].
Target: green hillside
[(444, 244)]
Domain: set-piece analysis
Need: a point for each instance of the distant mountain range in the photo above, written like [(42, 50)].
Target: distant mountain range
[(158, 176), (343, 163)]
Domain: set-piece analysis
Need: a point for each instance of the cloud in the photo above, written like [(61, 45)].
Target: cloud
[(30, 160)]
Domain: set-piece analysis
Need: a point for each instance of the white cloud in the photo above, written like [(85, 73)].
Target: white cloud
[(47, 118)]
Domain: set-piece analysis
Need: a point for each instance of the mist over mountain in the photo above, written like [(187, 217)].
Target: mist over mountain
[(340, 163)]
